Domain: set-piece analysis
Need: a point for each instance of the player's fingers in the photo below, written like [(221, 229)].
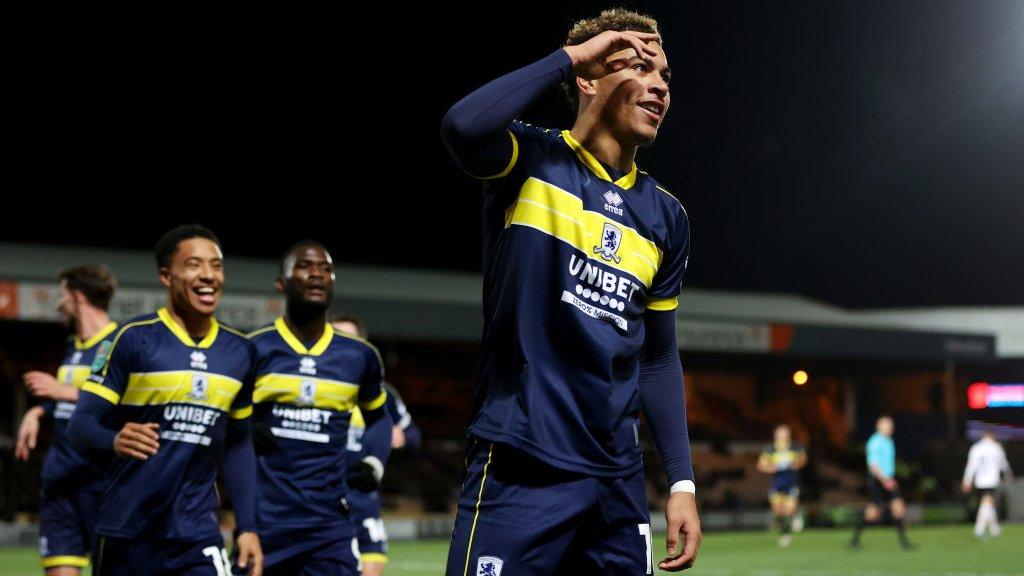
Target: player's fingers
[(672, 538), (146, 431), (139, 446), (257, 563), (642, 50), (151, 429), (128, 451), (142, 438), (644, 36), (642, 45), (690, 547), (21, 450)]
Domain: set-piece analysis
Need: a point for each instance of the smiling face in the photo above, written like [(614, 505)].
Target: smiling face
[(195, 277), (633, 99), (307, 276)]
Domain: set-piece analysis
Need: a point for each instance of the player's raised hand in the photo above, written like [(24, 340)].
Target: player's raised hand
[(137, 440), (588, 58), (28, 433), (682, 518), (250, 553)]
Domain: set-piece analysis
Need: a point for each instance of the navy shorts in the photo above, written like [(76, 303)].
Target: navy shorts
[(784, 489), (160, 557), (319, 551), (518, 515), (373, 541), (67, 516)]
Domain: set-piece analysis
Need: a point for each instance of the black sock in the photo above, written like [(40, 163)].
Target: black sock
[(785, 524), (858, 527), (901, 529)]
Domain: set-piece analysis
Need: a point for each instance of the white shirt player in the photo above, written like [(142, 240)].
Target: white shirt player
[(985, 462)]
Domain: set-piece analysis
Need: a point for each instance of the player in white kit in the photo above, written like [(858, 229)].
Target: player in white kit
[(985, 464)]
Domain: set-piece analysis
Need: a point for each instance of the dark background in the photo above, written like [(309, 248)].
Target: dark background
[(865, 153)]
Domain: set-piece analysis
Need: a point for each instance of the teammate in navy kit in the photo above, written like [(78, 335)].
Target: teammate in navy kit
[(783, 459), (584, 257), (367, 461), (172, 400), (72, 485), (310, 380)]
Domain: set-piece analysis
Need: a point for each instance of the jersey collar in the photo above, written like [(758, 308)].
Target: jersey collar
[(103, 333), (588, 160), (182, 335), (297, 345)]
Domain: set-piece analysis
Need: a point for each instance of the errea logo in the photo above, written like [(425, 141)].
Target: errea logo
[(307, 366), (612, 202), (198, 360)]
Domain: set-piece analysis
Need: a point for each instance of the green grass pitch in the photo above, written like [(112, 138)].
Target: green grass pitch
[(941, 551)]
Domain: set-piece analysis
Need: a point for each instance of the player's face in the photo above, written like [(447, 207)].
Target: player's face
[(885, 426), (67, 306), (782, 435), (195, 277), (634, 99), (309, 276)]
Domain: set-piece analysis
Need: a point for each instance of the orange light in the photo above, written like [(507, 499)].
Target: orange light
[(800, 377)]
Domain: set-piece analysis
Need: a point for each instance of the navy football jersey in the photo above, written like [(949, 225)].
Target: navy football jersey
[(306, 397), (64, 460), (784, 458), (572, 260), (156, 372)]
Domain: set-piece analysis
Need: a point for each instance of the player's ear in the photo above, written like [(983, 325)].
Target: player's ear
[(586, 86), (279, 284), (165, 276), (78, 297)]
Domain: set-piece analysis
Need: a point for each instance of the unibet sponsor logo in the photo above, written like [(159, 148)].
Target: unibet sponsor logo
[(601, 285), (309, 419)]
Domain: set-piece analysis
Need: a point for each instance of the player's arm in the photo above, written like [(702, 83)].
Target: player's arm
[(92, 424), (764, 464), (28, 431), (970, 470), (366, 474), (239, 473), (664, 404), (405, 433), (372, 400), (45, 385), (801, 460), (1007, 471), (475, 128)]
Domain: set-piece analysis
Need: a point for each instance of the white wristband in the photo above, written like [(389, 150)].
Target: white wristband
[(683, 486), (377, 466)]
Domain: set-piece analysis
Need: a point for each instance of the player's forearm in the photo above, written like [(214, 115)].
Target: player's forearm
[(413, 437), (475, 126), (877, 472), (68, 394), (86, 427), (377, 438), (239, 471), (663, 399)]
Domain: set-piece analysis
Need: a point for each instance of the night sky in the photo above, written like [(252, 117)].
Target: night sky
[(866, 153)]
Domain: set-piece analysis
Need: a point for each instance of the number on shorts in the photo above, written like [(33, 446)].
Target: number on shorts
[(645, 531), (219, 556)]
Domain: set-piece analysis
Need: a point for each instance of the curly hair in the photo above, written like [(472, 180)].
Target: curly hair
[(618, 19)]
